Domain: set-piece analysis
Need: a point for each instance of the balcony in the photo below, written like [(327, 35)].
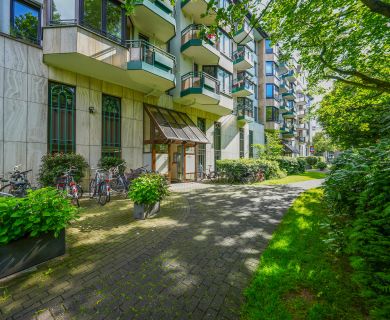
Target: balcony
[(284, 109), (302, 101), (244, 34), (155, 17), (290, 76), (289, 95), (243, 58), (244, 110), (195, 9), (242, 85), (289, 115), (301, 113), (282, 68), (288, 133), (141, 67), (283, 88), (203, 50), (302, 126), (151, 65), (302, 139), (201, 87)]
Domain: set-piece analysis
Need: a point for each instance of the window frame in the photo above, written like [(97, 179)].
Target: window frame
[(274, 114), (268, 48), (273, 68), (104, 118), (251, 149), (217, 152), (241, 142), (32, 5), (50, 124)]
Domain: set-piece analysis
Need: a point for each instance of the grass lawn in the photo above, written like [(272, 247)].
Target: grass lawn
[(310, 175), (297, 277)]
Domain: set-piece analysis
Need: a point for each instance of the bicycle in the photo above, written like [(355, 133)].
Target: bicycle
[(99, 187), (119, 182), (211, 175), (18, 183), (67, 183)]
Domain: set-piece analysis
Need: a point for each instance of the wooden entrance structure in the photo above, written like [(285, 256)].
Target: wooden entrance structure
[(169, 127)]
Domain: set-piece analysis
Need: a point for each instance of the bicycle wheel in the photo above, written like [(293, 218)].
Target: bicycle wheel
[(92, 188), (102, 193), (5, 188)]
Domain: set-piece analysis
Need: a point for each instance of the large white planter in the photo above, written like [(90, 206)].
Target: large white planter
[(143, 211)]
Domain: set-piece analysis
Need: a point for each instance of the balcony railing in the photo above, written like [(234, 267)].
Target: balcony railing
[(195, 32), (242, 53), (141, 50), (199, 80), (242, 84), (244, 108)]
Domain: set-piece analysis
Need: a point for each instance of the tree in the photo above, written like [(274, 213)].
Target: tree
[(354, 117), (322, 144), (273, 147)]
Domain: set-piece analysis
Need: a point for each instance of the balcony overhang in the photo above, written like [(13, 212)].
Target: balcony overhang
[(76, 49), (243, 36), (242, 92), (152, 19), (289, 96), (289, 115), (242, 63), (195, 9), (201, 52)]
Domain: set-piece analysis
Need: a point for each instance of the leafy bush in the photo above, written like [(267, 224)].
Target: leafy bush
[(321, 165), (301, 164), (235, 170), (109, 162), (148, 189), (290, 165), (41, 211), (54, 165), (311, 161), (358, 192)]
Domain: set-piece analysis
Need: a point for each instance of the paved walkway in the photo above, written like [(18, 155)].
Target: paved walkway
[(190, 262)]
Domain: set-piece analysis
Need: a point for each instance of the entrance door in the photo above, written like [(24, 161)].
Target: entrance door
[(180, 162)]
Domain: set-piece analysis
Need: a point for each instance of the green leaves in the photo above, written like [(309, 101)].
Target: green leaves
[(149, 188), (41, 211)]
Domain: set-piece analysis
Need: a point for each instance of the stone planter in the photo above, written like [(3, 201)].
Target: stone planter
[(142, 211), (28, 252)]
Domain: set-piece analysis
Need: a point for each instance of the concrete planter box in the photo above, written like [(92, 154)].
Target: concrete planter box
[(142, 211), (25, 253)]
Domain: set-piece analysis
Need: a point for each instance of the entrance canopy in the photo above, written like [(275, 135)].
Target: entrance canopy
[(174, 126)]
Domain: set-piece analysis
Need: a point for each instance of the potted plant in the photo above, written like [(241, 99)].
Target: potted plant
[(146, 192), (32, 229)]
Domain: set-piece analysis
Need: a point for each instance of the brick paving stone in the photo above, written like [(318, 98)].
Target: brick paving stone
[(192, 261)]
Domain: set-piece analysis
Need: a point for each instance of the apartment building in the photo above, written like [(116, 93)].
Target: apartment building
[(81, 76), (283, 98)]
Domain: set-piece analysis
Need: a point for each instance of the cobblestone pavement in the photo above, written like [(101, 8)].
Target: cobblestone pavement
[(192, 261)]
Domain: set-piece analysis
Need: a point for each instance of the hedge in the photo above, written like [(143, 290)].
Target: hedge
[(291, 165)]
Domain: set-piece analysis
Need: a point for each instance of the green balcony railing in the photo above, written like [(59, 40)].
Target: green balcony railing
[(197, 81), (242, 53), (194, 35), (143, 51)]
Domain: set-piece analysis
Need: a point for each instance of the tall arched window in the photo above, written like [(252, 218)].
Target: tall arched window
[(62, 118), (111, 127)]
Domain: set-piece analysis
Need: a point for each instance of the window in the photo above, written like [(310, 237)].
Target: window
[(217, 143), (290, 104), (250, 143), (63, 11), (225, 44), (256, 113), (105, 16), (111, 126), (269, 68), (268, 46), (62, 118), (242, 143), (255, 66), (25, 21), (202, 147), (271, 91), (272, 114), (224, 77)]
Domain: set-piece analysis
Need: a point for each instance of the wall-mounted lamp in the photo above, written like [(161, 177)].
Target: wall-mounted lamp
[(91, 110)]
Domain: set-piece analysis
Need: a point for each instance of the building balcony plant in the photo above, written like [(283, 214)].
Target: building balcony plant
[(146, 192), (202, 48), (33, 229)]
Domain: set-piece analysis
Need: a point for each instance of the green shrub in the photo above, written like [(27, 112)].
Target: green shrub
[(235, 170), (41, 211), (109, 162), (311, 161), (358, 193), (301, 164), (321, 165), (148, 189), (54, 165), (290, 165)]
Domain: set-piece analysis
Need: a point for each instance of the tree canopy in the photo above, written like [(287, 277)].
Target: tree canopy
[(322, 143), (354, 117)]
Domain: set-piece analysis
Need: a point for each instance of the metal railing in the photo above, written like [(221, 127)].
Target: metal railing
[(242, 53), (241, 84), (195, 32), (199, 80), (141, 50)]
